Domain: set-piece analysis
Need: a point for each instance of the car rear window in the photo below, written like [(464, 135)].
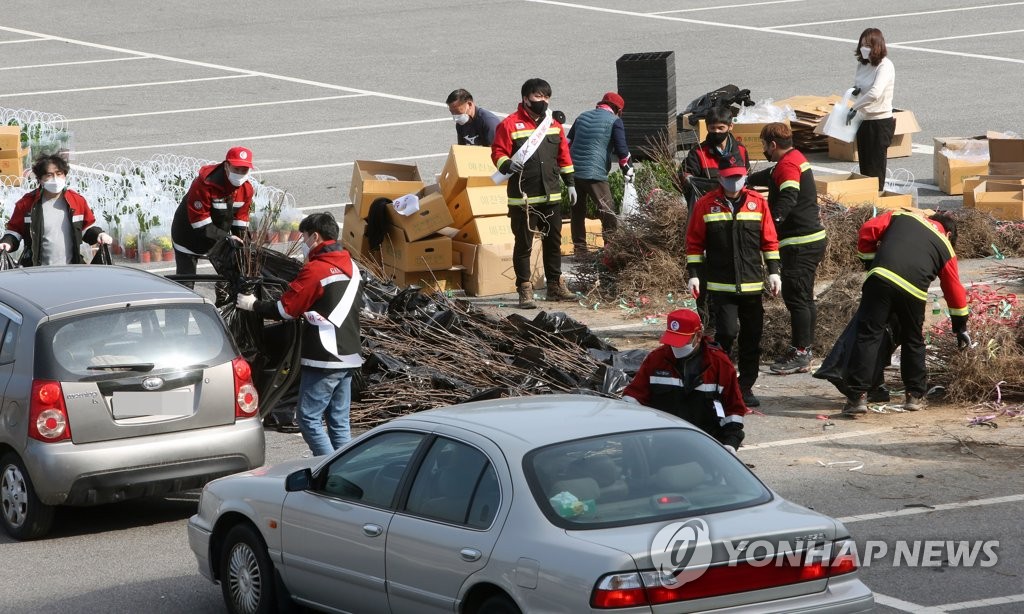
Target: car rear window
[(165, 337), (638, 477)]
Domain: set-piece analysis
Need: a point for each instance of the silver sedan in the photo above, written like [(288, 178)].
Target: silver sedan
[(542, 504)]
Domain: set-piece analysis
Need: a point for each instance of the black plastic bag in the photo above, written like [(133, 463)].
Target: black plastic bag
[(725, 96), (102, 255), (7, 262), (835, 367)]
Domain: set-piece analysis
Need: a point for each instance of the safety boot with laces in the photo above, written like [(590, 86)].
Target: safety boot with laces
[(526, 296), (795, 361), (914, 403), (558, 292), (856, 405)]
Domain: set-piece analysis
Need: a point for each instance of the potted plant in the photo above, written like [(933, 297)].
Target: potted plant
[(131, 247), (293, 231), (167, 246), (146, 222)]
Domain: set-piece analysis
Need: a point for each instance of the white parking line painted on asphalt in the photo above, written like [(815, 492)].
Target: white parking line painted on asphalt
[(896, 15), (261, 137), (907, 606), (981, 603), (340, 164), (903, 606), (218, 108), (949, 38), (252, 73), (24, 40), (911, 511), (762, 29), (725, 6), (315, 207), (814, 439), (125, 85), (52, 64)]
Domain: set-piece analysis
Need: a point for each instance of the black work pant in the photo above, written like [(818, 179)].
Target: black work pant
[(873, 139), (601, 194), (185, 264), (879, 301), (799, 266), (740, 316), (545, 220)]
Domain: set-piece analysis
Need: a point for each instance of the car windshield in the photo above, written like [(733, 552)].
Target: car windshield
[(638, 477), (137, 339)]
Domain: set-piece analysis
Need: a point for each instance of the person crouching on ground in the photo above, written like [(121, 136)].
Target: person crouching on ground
[(327, 293), (692, 378)]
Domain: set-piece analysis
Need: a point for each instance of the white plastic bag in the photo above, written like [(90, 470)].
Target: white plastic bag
[(835, 124), (630, 201)]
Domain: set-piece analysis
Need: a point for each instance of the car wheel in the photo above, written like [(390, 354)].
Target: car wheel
[(24, 515), (498, 604), (246, 573)]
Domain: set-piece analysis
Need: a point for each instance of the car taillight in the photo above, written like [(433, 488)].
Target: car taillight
[(622, 590), (246, 397), (48, 414)]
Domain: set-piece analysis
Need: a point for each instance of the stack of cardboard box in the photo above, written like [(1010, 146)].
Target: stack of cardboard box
[(901, 147), (1000, 192), (13, 158)]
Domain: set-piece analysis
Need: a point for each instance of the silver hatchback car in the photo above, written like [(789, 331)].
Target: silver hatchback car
[(116, 384), (543, 504)]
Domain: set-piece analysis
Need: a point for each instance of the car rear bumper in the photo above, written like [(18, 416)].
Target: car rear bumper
[(104, 472)]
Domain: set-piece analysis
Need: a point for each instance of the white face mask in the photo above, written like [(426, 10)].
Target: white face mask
[(865, 52), (462, 119), (684, 351), (55, 185), (237, 179), (733, 184)]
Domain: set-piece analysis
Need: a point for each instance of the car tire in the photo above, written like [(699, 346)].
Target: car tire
[(246, 573), (498, 604), (23, 515)]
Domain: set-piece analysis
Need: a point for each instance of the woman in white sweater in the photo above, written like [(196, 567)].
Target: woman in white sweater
[(873, 84)]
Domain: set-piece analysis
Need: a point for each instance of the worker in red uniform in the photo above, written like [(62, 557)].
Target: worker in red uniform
[(903, 252), (729, 240), (699, 172), (531, 150), (692, 378)]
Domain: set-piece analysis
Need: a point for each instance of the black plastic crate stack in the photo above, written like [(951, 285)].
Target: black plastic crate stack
[(647, 84)]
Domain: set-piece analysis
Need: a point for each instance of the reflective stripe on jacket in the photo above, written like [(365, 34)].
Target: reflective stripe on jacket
[(540, 181)]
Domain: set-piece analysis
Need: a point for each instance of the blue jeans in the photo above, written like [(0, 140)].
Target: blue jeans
[(324, 392)]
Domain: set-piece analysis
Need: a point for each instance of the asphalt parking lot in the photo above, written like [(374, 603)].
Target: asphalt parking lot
[(313, 86)]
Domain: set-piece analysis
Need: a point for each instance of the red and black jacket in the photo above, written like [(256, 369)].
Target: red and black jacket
[(539, 182), (729, 248), (700, 168), (212, 209), (793, 200), (26, 224), (909, 251), (327, 293), (701, 389)]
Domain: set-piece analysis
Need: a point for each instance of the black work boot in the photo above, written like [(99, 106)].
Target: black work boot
[(749, 399), (794, 361), (856, 405)]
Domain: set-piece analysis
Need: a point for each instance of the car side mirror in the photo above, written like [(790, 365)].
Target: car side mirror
[(299, 481)]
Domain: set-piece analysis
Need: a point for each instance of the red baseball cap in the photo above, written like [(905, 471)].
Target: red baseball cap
[(731, 166), (239, 156), (614, 100), (683, 324)]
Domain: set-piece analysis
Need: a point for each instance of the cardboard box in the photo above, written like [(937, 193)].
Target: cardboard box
[(949, 173), (372, 180), (489, 271), (970, 183), (353, 232), (13, 162), (428, 281), (595, 238), (10, 138), (701, 127), (1002, 204), (433, 253), (1006, 156), (993, 183), (902, 141), (895, 200), (432, 216), (490, 230), (477, 201), (750, 136), (466, 166), (849, 189)]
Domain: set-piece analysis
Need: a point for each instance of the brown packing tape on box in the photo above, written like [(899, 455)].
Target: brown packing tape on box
[(466, 166), (372, 180)]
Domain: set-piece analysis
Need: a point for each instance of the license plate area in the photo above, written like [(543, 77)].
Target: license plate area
[(135, 406)]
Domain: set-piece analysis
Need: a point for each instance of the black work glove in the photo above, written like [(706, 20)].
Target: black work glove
[(867, 264), (856, 91), (963, 340), (850, 116)]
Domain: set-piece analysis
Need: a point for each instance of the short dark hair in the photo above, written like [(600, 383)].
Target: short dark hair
[(874, 39), (459, 95), (323, 224), (719, 114), (949, 224), (536, 86), (778, 133), (42, 164)]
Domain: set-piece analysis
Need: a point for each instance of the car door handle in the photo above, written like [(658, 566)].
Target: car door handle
[(372, 530), (470, 554)]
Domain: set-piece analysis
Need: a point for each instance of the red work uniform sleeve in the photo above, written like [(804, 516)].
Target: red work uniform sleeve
[(501, 148), (302, 292), (953, 292), (870, 233), (786, 177), (696, 235), (17, 229), (240, 221), (769, 241), (640, 387), (564, 158)]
